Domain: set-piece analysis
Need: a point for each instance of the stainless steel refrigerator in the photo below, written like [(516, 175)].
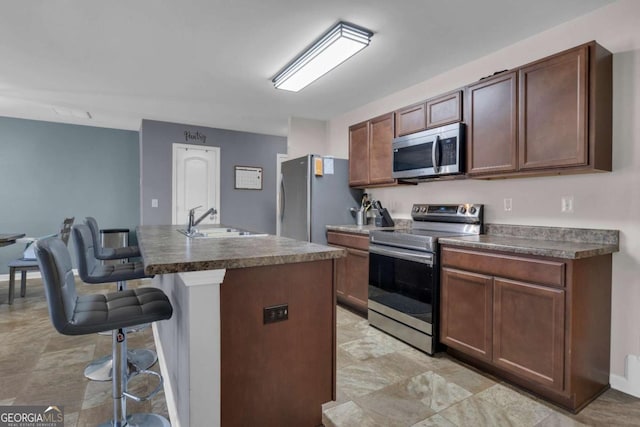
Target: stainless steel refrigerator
[(314, 193)]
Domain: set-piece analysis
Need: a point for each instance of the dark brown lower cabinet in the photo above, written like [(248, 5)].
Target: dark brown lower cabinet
[(543, 323), (352, 272)]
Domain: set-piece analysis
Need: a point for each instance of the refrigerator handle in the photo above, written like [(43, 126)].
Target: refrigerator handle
[(282, 198)]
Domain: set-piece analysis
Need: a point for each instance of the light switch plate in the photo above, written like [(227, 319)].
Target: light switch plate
[(508, 205), (154, 203)]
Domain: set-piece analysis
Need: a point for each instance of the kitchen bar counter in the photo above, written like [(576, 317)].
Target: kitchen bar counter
[(221, 341), (556, 242), (165, 250)]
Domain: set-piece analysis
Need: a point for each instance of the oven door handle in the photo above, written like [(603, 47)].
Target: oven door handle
[(423, 258)]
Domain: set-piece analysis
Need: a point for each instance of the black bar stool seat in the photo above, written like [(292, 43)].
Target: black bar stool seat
[(93, 271), (72, 314)]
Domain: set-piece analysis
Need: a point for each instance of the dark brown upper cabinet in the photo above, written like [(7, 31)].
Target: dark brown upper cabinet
[(434, 112), (411, 119), (370, 162), (444, 109), (359, 154), (552, 116), (492, 125)]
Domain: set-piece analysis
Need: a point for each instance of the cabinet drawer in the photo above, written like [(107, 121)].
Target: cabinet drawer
[(348, 240), (512, 267)]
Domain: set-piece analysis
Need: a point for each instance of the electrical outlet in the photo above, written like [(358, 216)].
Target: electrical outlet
[(276, 313), (154, 203), (508, 205), (566, 204)]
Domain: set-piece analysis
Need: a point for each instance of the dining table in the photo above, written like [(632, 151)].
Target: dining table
[(7, 239)]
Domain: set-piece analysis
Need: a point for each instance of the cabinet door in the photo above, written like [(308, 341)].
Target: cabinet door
[(341, 277), (528, 331), (357, 278), (466, 312), (359, 154), (492, 125), (410, 120), (380, 155), (553, 111), (444, 109)]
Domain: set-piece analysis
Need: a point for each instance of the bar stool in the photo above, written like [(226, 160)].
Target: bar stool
[(91, 271), (87, 314), (106, 254)]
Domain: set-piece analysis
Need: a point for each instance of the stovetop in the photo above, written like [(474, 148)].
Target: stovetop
[(432, 222)]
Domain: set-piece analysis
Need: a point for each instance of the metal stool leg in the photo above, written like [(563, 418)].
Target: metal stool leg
[(119, 391)]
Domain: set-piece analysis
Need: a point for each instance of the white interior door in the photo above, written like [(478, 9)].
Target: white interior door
[(196, 181)]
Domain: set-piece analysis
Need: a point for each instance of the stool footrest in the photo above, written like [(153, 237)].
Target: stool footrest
[(153, 392)]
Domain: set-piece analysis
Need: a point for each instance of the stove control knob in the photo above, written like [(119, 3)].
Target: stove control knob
[(416, 208), (423, 209), (463, 210), (472, 210)]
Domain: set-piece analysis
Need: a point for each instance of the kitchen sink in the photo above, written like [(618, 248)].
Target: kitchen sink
[(213, 233)]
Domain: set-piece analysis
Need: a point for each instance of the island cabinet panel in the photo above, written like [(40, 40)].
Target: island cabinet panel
[(444, 109), (280, 373), (411, 119), (554, 111), (466, 313), (492, 125), (359, 154), (528, 333), (543, 323), (352, 272)]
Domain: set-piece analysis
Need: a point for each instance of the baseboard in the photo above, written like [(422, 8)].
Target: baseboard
[(630, 382), (30, 275)]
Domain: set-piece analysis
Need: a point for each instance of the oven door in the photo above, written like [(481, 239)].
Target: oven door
[(403, 285)]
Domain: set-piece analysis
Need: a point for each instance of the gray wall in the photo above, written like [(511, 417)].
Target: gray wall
[(251, 209), (49, 171)]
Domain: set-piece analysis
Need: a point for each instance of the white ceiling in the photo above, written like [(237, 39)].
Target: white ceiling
[(210, 62)]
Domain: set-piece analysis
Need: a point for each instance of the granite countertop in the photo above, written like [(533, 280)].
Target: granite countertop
[(556, 242), (165, 250), (365, 229)]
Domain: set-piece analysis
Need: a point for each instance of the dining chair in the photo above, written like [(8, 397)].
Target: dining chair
[(23, 265)]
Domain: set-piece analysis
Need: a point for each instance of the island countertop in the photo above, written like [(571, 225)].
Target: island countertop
[(165, 250)]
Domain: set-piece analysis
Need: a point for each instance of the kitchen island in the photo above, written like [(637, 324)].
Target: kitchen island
[(252, 338)]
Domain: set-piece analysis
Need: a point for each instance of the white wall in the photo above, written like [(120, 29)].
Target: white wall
[(306, 136), (608, 200)]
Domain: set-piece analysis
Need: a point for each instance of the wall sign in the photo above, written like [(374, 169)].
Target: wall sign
[(194, 136), (248, 178)]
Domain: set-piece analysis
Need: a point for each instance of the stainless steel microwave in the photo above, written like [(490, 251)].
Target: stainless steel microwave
[(430, 153)]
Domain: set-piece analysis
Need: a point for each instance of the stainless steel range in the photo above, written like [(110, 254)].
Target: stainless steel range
[(404, 271)]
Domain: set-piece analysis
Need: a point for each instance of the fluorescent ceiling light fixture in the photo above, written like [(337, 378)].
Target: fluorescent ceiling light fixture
[(332, 49)]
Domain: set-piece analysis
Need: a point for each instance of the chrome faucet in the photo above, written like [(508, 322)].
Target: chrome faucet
[(193, 222)]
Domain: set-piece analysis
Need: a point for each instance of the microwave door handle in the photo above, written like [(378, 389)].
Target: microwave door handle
[(435, 154)]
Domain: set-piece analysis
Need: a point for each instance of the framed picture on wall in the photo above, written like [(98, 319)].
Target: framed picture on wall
[(248, 178)]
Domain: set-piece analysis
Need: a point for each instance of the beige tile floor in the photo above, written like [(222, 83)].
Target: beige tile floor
[(381, 381), (384, 382), (38, 366)]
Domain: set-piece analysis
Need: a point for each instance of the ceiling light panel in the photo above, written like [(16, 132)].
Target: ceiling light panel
[(337, 45)]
